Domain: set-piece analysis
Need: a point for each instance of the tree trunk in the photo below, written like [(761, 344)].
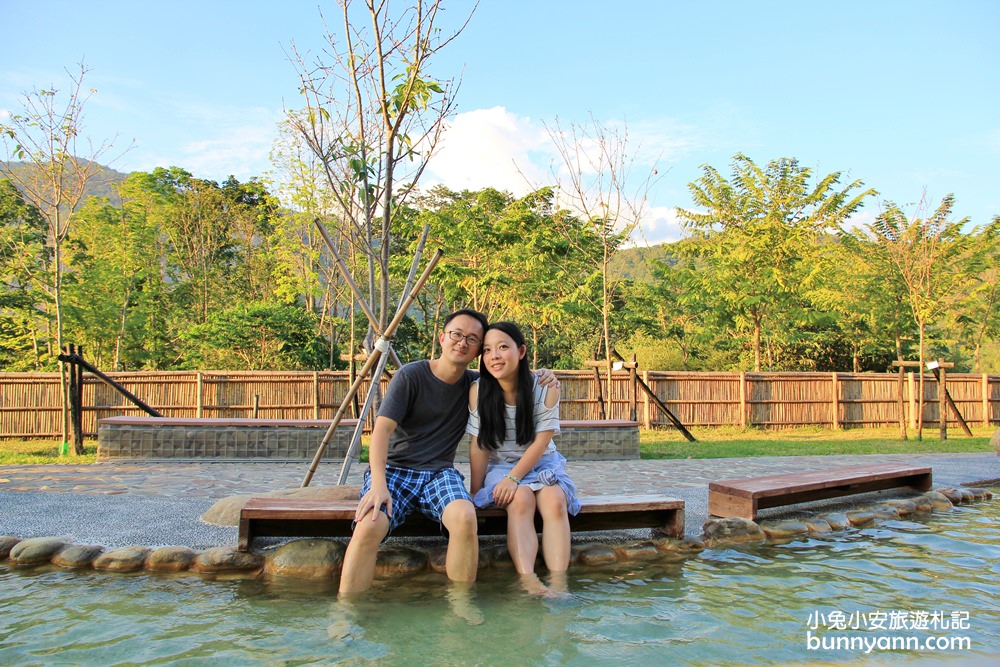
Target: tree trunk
[(756, 346), (920, 391)]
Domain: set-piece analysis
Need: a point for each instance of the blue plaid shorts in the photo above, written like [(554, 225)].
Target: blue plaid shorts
[(426, 491)]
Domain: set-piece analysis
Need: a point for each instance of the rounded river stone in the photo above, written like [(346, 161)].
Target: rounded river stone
[(78, 555), (170, 559), (36, 550), (126, 559), (311, 559)]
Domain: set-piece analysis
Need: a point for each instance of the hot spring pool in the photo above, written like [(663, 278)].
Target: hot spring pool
[(856, 597)]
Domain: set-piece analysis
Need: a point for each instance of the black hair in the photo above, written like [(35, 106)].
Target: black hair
[(492, 423), (474, 314)]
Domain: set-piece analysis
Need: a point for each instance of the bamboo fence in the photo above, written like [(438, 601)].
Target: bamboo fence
[(30, 405)]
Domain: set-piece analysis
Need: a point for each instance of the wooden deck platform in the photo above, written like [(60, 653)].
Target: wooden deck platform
[(744, 497), (285, 517)]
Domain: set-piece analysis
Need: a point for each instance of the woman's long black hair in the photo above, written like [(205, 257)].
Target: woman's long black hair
[(492, 427)]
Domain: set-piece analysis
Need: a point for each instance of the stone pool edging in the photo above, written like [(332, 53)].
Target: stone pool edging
[(313, 558)]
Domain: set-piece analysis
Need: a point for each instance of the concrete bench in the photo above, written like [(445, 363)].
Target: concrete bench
[(587, 440), (744, 497), (226, 438), (289, 517), (244, 438)]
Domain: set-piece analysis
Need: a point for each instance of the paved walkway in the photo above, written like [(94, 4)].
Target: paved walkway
[(159, 503)]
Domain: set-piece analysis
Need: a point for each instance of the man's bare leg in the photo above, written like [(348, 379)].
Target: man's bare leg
[(462, 559), (358, 571)]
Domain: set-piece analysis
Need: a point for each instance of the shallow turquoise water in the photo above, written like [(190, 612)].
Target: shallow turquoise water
[(747, 606)]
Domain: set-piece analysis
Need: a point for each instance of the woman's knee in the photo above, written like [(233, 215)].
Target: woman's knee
[(552, 502), (523, 503)]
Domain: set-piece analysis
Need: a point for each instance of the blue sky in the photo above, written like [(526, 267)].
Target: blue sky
[(903, 95)]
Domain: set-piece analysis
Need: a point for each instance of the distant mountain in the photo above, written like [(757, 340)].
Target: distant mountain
[(102, 185), (635, 263)]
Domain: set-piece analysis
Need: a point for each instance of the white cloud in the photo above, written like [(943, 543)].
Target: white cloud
[(213, 143), (861, 219), (496, 148), (491, 148), (659, 224)]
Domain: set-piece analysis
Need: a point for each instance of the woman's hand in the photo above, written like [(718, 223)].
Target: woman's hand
[(547, 378), (503, 492)]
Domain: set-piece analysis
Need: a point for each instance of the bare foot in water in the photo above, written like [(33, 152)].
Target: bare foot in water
[(558, 584), (462, 605), (342, 621), (532, 585)]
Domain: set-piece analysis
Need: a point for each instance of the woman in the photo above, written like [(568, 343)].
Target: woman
[(514, 462)]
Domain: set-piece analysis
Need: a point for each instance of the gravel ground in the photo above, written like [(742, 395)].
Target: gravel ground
[(160, 504), (112, 521)]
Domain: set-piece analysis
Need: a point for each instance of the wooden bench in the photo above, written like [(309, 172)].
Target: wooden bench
[(290, 517), (744, 497)]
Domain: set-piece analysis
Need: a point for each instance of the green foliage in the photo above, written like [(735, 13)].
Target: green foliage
[(757, 237), (24, 273), (933, 266), (255, 337), (173, 271)]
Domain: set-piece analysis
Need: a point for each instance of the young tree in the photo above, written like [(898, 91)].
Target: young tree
[(599, 188), (373, 116), (931, 256), (201, 251), (757, 232), (303, 270), (47, 134), (58, 165)]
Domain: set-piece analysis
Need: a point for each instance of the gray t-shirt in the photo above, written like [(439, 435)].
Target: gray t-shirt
[(430, 417)]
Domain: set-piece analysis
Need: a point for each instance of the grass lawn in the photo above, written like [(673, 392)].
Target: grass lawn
[(665, 444), (735, 442), (20, 452)]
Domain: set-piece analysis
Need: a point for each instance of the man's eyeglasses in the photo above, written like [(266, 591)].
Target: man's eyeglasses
[(472, 339)]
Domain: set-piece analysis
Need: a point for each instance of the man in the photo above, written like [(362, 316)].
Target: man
[(411, 457)]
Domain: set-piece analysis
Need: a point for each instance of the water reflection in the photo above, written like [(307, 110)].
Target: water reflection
[(747, 605)]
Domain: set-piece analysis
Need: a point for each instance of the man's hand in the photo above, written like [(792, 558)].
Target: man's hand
[(547, 378), (372, 501)]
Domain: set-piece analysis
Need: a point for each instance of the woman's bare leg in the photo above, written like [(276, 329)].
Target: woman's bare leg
[(522, 540), (555, 528)]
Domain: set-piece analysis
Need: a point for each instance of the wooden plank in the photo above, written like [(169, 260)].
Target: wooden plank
[(291, 517), (744, 497)]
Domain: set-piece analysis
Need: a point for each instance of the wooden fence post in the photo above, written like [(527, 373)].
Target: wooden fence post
[(910, 385), (315, 394), (835, 405), (200, 396), (986, 400), (901, 403), (942, 402), (743, 399), (633, 376), (646, 420)]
